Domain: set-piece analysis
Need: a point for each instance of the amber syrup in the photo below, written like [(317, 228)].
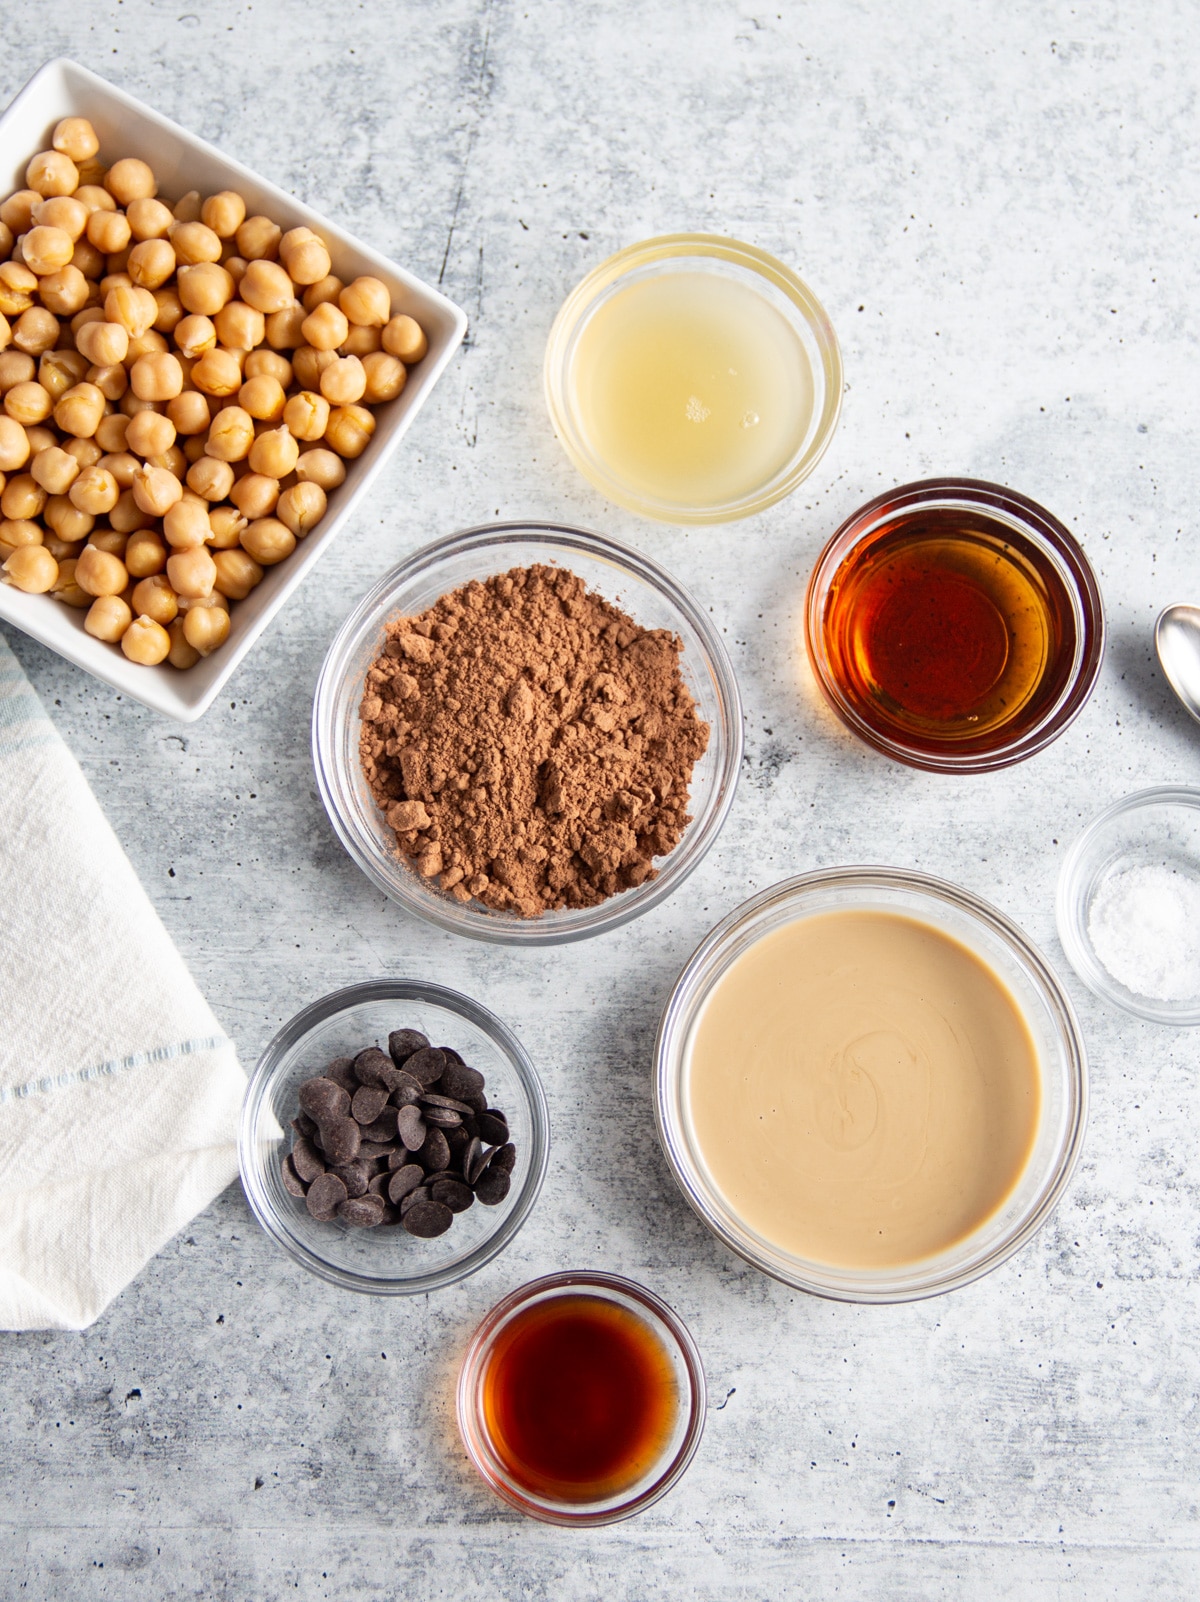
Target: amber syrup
[(579, 1397), (946, 628)]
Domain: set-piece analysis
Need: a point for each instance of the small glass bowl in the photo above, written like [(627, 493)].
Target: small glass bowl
[(997, 943), (388, 1261), (631, 581), (669, 254), (1032, 525), (1159, 827), (678, 1450)]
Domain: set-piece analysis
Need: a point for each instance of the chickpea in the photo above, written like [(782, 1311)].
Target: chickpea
[(79, 411), (172, 460), (54, 470), (283, 327), (149, 219), (239, 326), (237, 574), (321, 467), (121, 464), (344, 381), (194, 243), (131, 306), (130, 405), (156, 378), (274, 453), (23, 496), (32, 569), (263, 398), (231, 434), (192, 572), (235, 266), (7, 241), (17, 285), (156, 490), (325, 289), (95, 491), (149, 434), (361, 341), (103, 343), (194, 445), (307, 415), (112, 382), (206, 628), (386, 377), (301, 507), (100, 572), (146, 641), (204, 288), (127, 516), (5, 330), (76, 138), (224, 213), (62, 211), (258, 239), (52, 172), (255, 495), (108, 231), (326, 327), (269, 364), (65, 588), (41, 438), (113, 432), (189, 412), (29, 403), (186, 524), (195, 336), (66, 291), (45, 249), (85, 451), (308, 365), (228, 526), (306, 260), (170, 310), (268, 541), (181, 655), (404, 337), (145, 555), (151, 263), (59, 549), (129, 179), (187, 207), (18, 531), (16, 367), (16, 213), (67, 521), (218, 372), (110, 540), (108, 616), (36, 331), (210, 478), (154, 597), (266, 287), (366, 301)]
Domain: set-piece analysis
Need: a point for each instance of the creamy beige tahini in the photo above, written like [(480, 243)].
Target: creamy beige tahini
[(863, 1090)]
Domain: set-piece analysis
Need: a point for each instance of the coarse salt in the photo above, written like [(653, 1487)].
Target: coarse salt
[(1144, 925)]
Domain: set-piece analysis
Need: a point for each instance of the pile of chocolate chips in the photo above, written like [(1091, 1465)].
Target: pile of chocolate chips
[(398, 1137)]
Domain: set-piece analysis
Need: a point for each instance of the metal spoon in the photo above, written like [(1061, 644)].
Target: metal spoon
[(1177, 641)]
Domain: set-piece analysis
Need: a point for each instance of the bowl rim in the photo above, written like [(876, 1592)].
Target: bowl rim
[(474, 1434), (1037, 525), (677, 866), (711, 247), (847, 1285), (343, 1000), (1070, 911)]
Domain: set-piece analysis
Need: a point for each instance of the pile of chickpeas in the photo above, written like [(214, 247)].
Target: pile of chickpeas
[(182, 387)]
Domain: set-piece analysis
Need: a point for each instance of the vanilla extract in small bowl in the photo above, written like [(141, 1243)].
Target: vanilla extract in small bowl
[(955, 625)]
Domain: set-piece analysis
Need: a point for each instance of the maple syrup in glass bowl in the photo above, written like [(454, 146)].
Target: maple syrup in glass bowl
[(955, 625)]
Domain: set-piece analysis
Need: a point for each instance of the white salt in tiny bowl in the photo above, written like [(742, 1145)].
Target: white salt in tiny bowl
[(1129, 905)]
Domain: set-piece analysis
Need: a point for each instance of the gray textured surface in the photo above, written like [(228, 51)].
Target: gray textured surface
[(997, 203)]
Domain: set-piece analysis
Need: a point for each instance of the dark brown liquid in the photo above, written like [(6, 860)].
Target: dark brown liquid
[(579, 1397), (947, 629)]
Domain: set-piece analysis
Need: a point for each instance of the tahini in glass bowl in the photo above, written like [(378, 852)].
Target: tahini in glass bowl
[(387, 1260), (1002, 948), (693, 378), (626, 578), (1153, 837), (954, 625), (481, 1403)]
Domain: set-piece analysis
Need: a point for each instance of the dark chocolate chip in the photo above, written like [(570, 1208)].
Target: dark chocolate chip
[(369, 1101), (434, 1153), (426, 1065), (383, 1131), (404, 1181), (371, 1151), (476, 1158), (451, 1055), (431, 1098), (364, 1212), (442, 1118), (406, 1090), (391, 1215), (379, 1185), (476, 1100), (459, 1080), (341, 1139), (341, 1071), (304, 1125), (414, 1196), (370, 1066), (354, 1176), (458, 1140), (427, 1219), (325, 1195), (506, 1158), (492, 1186), (492, 1126), (410, 1126), (292, 1182), (322, 1099), (307, 1160), (403, 1042), (452, 1193)]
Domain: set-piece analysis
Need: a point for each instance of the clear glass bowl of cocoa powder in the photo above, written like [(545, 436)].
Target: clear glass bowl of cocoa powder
[(623, 577)]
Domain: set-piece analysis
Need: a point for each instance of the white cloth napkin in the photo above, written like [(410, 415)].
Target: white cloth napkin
[(119, 1093)]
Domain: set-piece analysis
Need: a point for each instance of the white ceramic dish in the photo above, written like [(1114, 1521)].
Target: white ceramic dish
[(181, 162)]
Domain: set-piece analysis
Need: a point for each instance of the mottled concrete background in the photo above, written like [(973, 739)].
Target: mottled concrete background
[(998, 204)]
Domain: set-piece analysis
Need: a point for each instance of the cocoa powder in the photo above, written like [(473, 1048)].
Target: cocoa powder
[(530, 745)]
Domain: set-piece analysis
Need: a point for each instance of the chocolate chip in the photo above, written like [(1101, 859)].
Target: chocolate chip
[(492, 1127), (452, 1193), (410, 1126), (369, 1101), (354, 1176), (304, 1125), (434, 1153), (451, 1055), (379, 1185), (442, 1117), (391, 1215), (406, 1090), (458, 1140), (370, 1066), (325, 1195), (506, 1158), (426, 1065), (370, 1151), (460, 1081), (322, 1099), (432, 1099), (292, 1182), (476, 1158), (427, 1219), (341, 1071), (341, 1139), (492, 1186), (307, 1160), (383, 1130), (403, 1042), (414, 1196), (475, 1099), (404, 1181), (364, 1212)]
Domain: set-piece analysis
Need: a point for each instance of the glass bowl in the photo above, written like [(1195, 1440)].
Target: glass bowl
[(738, 264), (1042, 543), (1156, 830), (643, 589), (387, 1261), (1003, 948), (679, 1447)]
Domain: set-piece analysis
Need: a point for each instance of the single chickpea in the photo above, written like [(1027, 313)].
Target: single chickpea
[(187, 208), (59, 549), (224, 213), (23, 496), (16, 367), (181, 655), (79, 411), (149, 219), (75, 137), (145, 555), (29, 403), (108, 616), (148, 344), (85, 451), (231, 434), (235, 266), (254, 495), (112, 432), (326, 327), (266, 287), (367, 301), (268, 541), (325, 289), (131, 306), (112, 381), (206, 628), (127, 516), (7, 240), (19, 531), (131, 405), (5, 330), (228, 526), (307, 260), (89, 314), (218, 372), (121, 464), (308, 365), (194, 445), (386, 377), (129, 179), (193, 243), (172, 460), (263, 398), (204, 288), (321, 467), (146, 641), (269, 364), (108, 231), (110, 540), (17, 285), (95, 198), (258, 239), (307, 415), (210, 478), (274, 453), (239, 326), (154, 597), (156, 378), (170, 310), (156, 490), (404, 337), (100, 572), (103, 343), (65, 588), (192, 572), (361, 341), (54, 470), (16, 213), (52, 172), (283, 327), (344, 381), (301, 507), (237, 574), (67, 212), (67, 521), (90, 261), (151, 263), (32, 569), (195, 335), (149, 434), (189, 412), (186, 524), (36, 331), (66, 291), (95, 491), (44, 249)]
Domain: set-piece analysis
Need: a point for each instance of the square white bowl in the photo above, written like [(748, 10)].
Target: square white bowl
[(182, 162)]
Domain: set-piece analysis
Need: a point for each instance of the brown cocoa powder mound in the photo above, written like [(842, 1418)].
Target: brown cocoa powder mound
[(529, 743)]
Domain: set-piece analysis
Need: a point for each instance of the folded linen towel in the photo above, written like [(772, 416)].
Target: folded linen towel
[(119, 1092)]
